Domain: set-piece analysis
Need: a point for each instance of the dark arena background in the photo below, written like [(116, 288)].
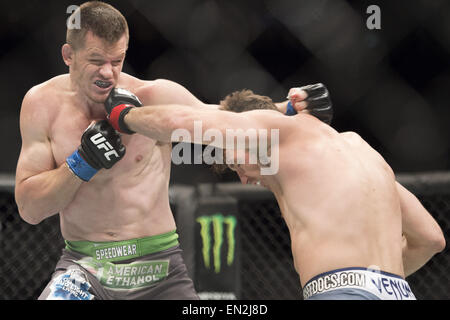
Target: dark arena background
[(390, 83)]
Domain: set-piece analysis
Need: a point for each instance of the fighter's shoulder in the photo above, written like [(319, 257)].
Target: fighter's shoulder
[(158, 86), (160, 91), (41, 99), (351, 137), (45, 91), (139, 87)]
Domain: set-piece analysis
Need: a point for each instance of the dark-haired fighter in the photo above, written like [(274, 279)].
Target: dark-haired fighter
[(355, 232), (111, 192)]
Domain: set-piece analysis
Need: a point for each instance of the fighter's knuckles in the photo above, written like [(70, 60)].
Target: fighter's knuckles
[(299, 106), (297, 94), (314, 91)]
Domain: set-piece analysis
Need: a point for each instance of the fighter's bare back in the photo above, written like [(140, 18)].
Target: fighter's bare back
[(339, 199)]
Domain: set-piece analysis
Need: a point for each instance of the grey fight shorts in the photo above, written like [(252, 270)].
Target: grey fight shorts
[(121, 270)]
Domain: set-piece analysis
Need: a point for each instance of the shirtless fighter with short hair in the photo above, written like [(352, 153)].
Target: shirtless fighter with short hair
[(355, 232), (111, 192)]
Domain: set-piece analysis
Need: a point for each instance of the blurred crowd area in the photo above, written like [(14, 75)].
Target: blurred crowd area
[(391, 85)]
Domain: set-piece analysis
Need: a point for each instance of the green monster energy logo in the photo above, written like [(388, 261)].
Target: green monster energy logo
[(218, 221)]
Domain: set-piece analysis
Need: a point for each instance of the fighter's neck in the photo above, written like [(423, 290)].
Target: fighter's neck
[(93, 110)]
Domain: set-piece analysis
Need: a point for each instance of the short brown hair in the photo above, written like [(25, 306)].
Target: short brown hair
[(241, 101), (102, 19), (246, 100)]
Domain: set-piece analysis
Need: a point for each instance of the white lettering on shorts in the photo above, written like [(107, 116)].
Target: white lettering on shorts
[(70, 285), (334, 281), (116, 252), (128, 276), (380, 284)]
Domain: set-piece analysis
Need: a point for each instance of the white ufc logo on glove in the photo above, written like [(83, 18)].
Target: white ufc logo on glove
[(100, 141)]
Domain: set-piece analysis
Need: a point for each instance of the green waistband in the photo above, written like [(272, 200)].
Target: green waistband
[(126, 249)]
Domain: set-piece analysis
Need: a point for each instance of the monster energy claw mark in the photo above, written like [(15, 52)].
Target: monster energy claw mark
[(217, 221)]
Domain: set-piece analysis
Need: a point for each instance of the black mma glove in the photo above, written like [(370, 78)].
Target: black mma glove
[(101, 147), (117, 105), (318, 103)]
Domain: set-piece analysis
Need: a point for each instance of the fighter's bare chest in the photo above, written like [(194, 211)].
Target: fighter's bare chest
[(66, 132)]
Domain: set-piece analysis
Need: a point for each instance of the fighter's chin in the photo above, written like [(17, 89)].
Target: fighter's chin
[(100, 96)]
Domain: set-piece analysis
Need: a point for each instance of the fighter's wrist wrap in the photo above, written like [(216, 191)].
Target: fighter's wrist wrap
[(116, 118), (290, 111), (80, 167), (117, 105), (100, 148)]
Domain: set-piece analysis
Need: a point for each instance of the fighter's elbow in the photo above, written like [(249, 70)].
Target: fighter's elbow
[(438, 242), (434, 242), (25, 210), (429, 243), (28, 216), (31, 220)]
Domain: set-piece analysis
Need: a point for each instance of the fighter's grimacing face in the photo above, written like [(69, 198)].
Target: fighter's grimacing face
[(97, 65)]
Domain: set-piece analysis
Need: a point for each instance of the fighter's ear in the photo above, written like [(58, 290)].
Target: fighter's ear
[(67, 54)]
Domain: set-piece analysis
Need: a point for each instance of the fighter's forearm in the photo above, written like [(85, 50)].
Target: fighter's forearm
[(45, 194), (153, 122), (176, 123)]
